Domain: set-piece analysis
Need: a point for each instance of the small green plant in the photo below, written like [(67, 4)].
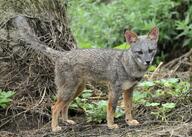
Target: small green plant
[(95, 111), (82, 101), (98, 112), (5, 98), (162, 110)]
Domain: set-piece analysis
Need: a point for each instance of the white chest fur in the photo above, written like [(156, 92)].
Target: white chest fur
[(128, 84)]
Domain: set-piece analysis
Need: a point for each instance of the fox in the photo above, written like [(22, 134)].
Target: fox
[(121, 70)]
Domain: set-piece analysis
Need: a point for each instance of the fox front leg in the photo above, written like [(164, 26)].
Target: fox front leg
[(127, 97)]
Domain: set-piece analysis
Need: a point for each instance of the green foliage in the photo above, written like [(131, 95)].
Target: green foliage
[(97, 24), (5, 98), (95, 111), (164, 87), (172, 87), (185, 27)]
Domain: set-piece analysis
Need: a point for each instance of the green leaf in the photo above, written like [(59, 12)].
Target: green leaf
[(169, 105), (7, 94), (173, 80), (102, 105), (146, 84), (5, 100), (153, 104), (86, 93)]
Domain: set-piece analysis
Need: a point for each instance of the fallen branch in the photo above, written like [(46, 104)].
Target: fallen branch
[(177, 60), (156, 70)]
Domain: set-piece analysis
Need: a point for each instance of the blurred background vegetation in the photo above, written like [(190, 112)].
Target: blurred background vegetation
[(101, 23)]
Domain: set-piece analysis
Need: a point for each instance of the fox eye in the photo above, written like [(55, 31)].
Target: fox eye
[(140, 52), (150, 50)]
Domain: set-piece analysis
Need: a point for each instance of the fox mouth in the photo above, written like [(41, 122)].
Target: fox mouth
[(147, 64), (143, 63)]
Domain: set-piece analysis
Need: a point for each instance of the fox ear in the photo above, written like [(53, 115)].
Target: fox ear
[(131, 37), (154, 34)]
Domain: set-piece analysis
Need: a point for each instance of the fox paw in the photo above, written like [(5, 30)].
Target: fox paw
[(132, 122), (56, 129), (71, 122), (113, 126)]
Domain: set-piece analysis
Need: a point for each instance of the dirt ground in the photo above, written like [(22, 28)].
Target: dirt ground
[(34, 126)]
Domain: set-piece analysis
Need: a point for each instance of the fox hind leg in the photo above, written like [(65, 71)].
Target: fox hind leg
[(64, 97), (113, 97), (66, 107), (56, 109)]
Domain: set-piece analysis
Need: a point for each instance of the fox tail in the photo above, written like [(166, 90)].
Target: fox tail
[(32, 41)]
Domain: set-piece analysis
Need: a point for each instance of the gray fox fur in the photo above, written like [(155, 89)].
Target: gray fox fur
[(120, 69)]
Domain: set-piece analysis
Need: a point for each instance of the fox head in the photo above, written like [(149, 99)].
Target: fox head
[(143, 48)]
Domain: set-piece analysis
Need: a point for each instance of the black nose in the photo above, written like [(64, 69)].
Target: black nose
[(148, 62)]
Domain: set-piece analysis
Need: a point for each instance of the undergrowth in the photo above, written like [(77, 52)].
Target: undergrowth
[(160, 96)]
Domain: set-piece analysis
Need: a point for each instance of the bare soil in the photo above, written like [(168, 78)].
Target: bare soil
[(32, 125)]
